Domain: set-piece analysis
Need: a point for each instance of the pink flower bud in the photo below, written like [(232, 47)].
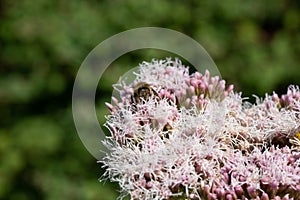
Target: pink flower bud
[(149, 185), (264, 196), (198, 75), (229, 197), (252, 191), (238, 190)]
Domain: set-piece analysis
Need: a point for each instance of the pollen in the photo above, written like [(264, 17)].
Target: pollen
[(297, 135)]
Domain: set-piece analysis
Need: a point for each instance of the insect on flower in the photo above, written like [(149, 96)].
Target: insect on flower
[(143, 91), (181, 136), (295, 141)]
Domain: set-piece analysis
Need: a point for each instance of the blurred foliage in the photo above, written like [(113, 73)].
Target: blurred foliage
[(255, 44)]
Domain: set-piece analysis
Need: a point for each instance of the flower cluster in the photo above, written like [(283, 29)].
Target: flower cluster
[(181, 136)]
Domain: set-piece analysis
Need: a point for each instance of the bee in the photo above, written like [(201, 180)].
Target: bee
[(143, 92), (167, 129), (295, 141)]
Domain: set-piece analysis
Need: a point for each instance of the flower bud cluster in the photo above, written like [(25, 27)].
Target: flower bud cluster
[(181, 136)]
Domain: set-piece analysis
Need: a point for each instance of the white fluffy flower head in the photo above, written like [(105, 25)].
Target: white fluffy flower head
[(182, 136)]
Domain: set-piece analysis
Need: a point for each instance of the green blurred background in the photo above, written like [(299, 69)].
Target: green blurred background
[(256, 46)]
